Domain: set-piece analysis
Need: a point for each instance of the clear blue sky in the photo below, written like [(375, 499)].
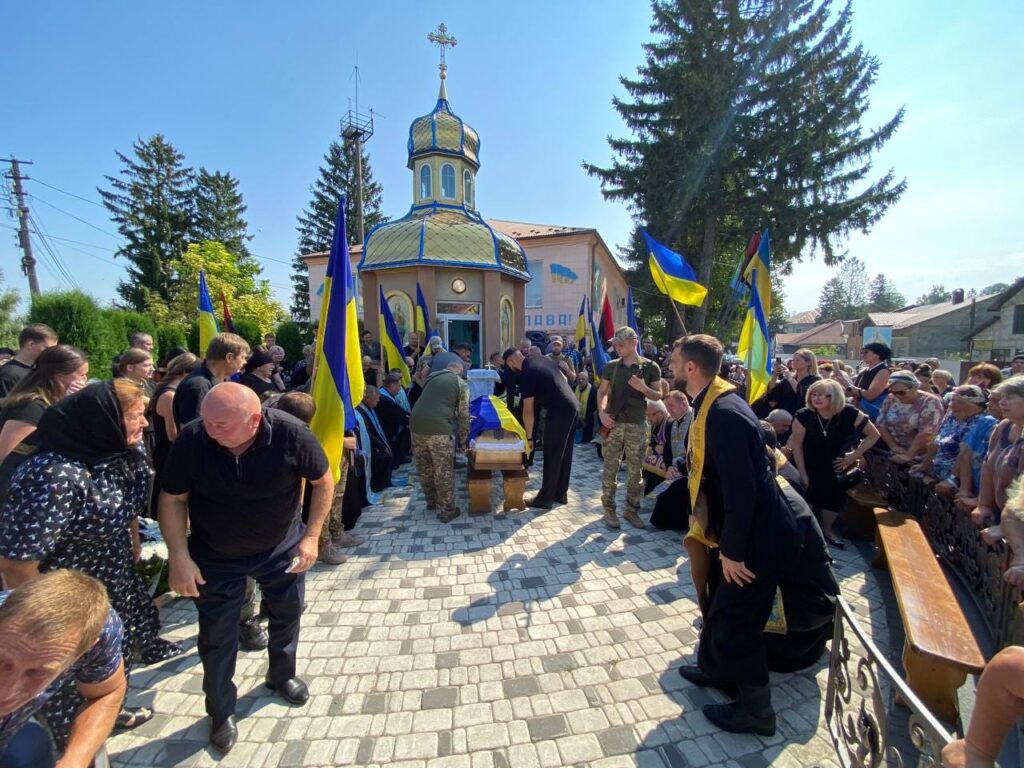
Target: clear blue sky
[(257, 88)]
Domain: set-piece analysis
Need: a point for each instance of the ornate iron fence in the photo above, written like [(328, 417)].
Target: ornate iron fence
[(860, 711), (955, 539)]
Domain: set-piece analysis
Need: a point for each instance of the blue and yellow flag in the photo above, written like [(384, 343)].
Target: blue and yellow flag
[(672, 275), (391, 341), (422, 321), (207, 320), (755, 345), (491, 412), (758, 271), (631, 312), (581, 328), (338, 371)]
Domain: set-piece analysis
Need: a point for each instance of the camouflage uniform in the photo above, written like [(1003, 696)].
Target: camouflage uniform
[(333, 526), (630, 436), (435, 464), (631, 440)]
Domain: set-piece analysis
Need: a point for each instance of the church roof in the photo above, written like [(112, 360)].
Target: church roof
[(443, 235), (522, 230), (443, 132)]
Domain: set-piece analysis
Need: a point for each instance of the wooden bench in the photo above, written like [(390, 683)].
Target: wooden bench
[(940, 649), (859, 515), (513, 481)]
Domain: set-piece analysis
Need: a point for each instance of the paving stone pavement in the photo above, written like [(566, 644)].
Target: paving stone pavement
[(510, 641)]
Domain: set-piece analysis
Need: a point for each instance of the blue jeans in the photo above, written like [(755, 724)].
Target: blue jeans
[(31, 747)]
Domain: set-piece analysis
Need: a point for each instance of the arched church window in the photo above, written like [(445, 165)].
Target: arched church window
[(426, 182), (467, 187), (448, 181)]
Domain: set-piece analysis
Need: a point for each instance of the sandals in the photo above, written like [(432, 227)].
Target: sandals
[(160, 650), (132, 717)]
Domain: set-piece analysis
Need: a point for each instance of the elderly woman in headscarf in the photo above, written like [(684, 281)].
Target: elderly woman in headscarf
[(909, 418), (75, 504), (966, 409)]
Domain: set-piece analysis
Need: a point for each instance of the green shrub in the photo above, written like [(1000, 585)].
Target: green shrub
[(79, 322), (291, 338), (167, 338), (250, 331)]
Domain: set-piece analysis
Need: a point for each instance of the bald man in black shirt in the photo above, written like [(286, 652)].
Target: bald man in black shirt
[(235, 478), (542, 384)]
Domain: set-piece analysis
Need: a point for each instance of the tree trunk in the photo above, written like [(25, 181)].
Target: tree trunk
[(707, 261)]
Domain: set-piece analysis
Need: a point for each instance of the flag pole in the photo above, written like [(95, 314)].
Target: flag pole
[(678, 316)]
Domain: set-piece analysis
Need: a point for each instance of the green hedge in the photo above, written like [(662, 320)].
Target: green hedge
[(291, 338), (167, 338), (78, 322), (247, 329)]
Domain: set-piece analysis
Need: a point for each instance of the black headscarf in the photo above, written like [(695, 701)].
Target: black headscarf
[(86, 426)]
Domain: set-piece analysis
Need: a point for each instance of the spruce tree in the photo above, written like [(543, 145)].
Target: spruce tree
[(151, 203), (316, 223), (883, 296), (745, 116), (218, 213), (831, 302)]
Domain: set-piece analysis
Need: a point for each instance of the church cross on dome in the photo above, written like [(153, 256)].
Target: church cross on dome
[(442, 40)]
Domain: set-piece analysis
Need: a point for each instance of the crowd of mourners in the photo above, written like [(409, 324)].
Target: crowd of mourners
[(218, 451)]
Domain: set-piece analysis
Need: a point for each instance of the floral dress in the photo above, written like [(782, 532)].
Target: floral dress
[(951, 434), (906, 420), (63, 513)]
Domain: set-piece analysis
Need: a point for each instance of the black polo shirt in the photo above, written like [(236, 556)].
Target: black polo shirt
[(543, 380), (243, 505), (190, 393)]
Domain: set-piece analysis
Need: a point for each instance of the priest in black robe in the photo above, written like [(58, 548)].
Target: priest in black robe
[(756, 536)]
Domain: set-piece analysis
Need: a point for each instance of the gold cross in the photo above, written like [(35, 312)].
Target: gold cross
[(442, 40)]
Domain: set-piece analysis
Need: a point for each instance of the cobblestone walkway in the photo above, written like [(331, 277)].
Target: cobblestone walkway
[(492, 642)]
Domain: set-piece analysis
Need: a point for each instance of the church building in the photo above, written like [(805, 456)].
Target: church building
[(480, 284)]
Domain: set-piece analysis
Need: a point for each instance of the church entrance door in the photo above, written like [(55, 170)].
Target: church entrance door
[(459, 330)]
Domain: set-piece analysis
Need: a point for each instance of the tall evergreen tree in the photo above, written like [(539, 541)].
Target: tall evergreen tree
[(747, 115), (883, 296), (218, 213), (853, 277), (316, 223), (831, 302), (151, 203)]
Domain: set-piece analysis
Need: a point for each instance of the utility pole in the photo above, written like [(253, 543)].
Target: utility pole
[(28, 262)]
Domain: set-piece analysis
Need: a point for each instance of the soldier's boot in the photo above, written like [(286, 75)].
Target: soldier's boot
[(633, 519), (610, 518)]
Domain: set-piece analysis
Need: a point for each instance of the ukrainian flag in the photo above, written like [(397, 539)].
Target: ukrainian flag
[(581, 328), (490, 412), (631, 312), (672, 275), (391, 341), (207, 320), (422, 320), (758, 272), (338, 372), (755, 345)]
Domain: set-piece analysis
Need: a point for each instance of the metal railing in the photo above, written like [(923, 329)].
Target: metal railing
[(860, 713)]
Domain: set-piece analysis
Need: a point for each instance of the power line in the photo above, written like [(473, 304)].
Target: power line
[(69, 194), (76, 218), (57, 258)]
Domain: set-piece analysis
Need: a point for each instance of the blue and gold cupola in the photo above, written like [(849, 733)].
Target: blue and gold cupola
[(443, 227)]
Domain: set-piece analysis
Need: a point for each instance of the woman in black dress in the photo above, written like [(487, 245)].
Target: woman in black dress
[(790, 394), (828, 438), (74, 504), (160, 413), (259, 374)]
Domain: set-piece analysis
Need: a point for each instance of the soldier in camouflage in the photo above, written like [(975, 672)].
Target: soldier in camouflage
[(626, 385), (439, 422)]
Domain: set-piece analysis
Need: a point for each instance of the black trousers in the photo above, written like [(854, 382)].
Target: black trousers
[(559, 436), (218, 605)]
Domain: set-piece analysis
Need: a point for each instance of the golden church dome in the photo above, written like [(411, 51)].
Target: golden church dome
[(443, 132)]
